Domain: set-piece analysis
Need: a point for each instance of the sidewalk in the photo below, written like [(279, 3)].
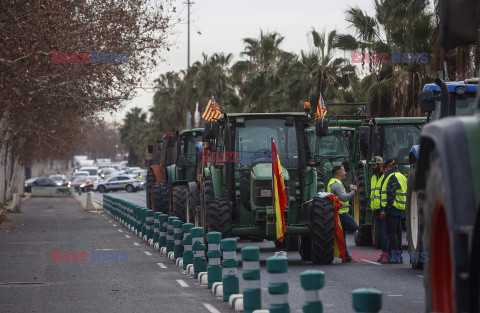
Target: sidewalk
[(88, 203)]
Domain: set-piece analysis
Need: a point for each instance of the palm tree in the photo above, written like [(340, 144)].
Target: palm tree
[(133, 133)]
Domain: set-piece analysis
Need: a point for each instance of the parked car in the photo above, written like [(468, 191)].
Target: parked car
[(92, 170), (80, 173), (38, 182), (61, 180), (119, 182)]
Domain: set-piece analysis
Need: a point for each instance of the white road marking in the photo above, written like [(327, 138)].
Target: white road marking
[(136, 244), (394, 295), (147, 253), (114, 225), (211, 308), (109, 221), (161, 265), (371, 262), (421, 276), (120, 231), (182, 283), (127, 236)]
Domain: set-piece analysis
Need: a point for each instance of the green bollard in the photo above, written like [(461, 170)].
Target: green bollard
[(278, 284), (198, 248), (156, 229), (252, 295), (143, 229), (177, 237), (312, 281), (162, 237), (170, 232), (148, 225), (187, 245), (137, 219), (366, 300), (214, 270), (229, 264)]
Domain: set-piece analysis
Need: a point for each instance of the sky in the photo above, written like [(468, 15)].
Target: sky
[(220, 25)]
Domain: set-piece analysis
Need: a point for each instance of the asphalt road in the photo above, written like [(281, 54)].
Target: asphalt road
[(401, 285), (119, 274)]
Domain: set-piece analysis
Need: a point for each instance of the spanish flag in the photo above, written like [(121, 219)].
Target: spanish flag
[(340, 250), (321, 108), (212, 112), (279, 194)]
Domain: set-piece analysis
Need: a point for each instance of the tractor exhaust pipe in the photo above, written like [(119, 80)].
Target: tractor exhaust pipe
[(444, 98)]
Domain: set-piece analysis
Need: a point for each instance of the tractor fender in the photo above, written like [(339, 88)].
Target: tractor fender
[(158, 172), (173, 172), (414, 153)]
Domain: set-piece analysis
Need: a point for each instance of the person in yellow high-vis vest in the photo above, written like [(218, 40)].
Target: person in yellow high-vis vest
[(375, 186), (393, 196), (336, 187)]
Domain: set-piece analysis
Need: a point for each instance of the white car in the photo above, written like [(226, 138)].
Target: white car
[(80, 173), (92, 170), (119, 182), (61, 180)]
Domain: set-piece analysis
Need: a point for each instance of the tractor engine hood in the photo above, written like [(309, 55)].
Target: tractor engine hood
[(263, 171)]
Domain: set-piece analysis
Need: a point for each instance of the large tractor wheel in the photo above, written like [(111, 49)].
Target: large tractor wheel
[(474, 268), (445, 261), (151, 180), (207, 195), (323, 231), (180, 202), (363, 237), (219, 217), (414, 219)]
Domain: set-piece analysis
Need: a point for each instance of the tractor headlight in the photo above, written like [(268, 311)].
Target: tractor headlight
[(460, 90)]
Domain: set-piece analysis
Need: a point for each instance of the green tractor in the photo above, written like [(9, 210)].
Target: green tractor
[(182, 176), (236, 191), (389, 138)]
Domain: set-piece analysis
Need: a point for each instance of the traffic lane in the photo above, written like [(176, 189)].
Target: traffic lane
[(401, 285), (137, 198), (33, 283)]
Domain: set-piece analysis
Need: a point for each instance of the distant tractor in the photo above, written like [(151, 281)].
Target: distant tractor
[(161, 155), (389, 138)]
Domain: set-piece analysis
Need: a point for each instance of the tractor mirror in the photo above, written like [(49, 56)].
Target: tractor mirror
[(364, 133), (321, 127), (150, 149), (427, 101)]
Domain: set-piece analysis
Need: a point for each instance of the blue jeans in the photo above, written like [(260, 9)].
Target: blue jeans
[(348, 225), (381, 226)]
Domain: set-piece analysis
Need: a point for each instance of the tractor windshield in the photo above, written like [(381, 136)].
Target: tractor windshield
[(253, 143), (397, 140), (463, 107), (332, 145)]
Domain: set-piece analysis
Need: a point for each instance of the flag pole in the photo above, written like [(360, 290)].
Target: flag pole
[(273, 176)]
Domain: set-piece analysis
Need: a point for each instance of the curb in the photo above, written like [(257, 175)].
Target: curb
[(236, 302), (203, 278), (217, 289)]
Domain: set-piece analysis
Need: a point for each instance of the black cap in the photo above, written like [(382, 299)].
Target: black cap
[(388, 162)]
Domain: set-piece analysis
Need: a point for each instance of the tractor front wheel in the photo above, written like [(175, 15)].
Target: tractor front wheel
[(219, 217), (160, 199), (414, 219), (323, 231), (180, 201)]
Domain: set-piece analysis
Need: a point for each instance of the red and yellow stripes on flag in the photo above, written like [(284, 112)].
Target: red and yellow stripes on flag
[(321, 108), (340, 250), (212, 112), (279, 194)]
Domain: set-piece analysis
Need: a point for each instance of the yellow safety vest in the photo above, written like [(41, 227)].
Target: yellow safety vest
[(345, 204), (375, 185), (401, 195)]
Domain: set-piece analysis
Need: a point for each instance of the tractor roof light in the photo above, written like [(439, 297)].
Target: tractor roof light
[(460, 90), (306, 107)]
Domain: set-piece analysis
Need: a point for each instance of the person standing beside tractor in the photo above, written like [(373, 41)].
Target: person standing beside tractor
[(376, 186), (392, 205), (336, 187)]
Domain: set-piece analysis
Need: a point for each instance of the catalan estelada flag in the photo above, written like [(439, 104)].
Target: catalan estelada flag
[(321, 108), (340, 250), (279, 194), (212, 112)]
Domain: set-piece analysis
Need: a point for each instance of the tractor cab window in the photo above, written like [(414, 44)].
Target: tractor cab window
[(253, 143), (463, 106), (397, 140), (332, 145)]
